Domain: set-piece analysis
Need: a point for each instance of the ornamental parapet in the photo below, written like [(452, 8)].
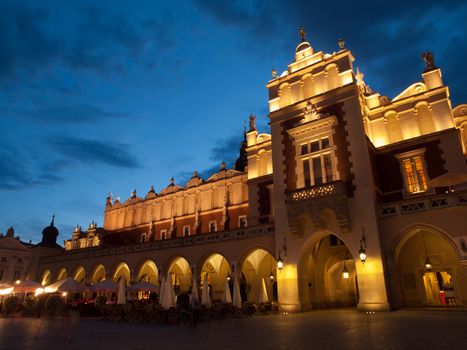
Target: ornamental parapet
[(424, 203), (311, 202), (220, 236)]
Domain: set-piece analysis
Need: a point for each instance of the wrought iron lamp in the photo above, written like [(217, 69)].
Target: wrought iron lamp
[(362, 250), (280, 262)]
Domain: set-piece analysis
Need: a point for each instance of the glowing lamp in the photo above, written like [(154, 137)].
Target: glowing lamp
[(280, 263), (271, 276), (428, 265), (345, 272), (64, 294), (362, 254), (228, 277), (18, 282)]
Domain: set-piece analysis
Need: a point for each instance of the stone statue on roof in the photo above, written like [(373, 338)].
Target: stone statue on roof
[(252, 120), (429, 59)]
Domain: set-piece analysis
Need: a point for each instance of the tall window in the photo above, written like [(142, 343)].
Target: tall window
[(317, 162), (163, 234), (242, 221), (186, 230), (413, 171), (212, 226)]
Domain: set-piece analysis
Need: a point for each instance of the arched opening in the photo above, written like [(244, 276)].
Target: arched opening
[(148, 272), (62, 274), (181, 275), (80, 274), (327, 274), (259, 264), (98, 274), (46, 278), (441, 284), (308, 89), (285, 95), (332, 77), (122, 270), (425, 118), (217, 268)]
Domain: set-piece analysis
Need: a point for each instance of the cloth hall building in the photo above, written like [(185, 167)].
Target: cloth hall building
[(348, 180)]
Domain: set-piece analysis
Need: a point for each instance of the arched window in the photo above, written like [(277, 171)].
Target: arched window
[(425, 118), (332, 77)]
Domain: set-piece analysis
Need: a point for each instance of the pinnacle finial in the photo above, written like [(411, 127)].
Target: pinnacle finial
[(302, 33), (53, 219)]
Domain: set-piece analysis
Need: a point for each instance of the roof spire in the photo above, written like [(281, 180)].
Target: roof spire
[(53, 219), (302, 33)]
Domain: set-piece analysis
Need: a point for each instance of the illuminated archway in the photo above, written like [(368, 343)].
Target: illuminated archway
[(322, 282), (217, 268), (121, 270), (148, 272), (181, 275), (257, 265), (98, 274), (46, 277), (442, 284), (79, 274), (62, 274)]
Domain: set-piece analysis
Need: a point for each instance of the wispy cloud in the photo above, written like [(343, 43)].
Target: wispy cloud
[(109, 153), (19, 171), (71, 114)]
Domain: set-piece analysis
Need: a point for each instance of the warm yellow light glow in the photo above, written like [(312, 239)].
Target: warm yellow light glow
[(362, 254), (280, 264), (50, 290), (64, 294), (18, 281), (39, 291), (345, 274), (6, 291)]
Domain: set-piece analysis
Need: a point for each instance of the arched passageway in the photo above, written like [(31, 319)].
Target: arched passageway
[(181, 275), (428, 269), (62, 274), (327, 274), (46, 278), (79, 274), (121, 270), (147, 272), (258, 264), (217, 268), (98, 274)]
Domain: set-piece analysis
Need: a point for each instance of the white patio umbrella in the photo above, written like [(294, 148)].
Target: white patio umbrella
[(106, 285), (263, 294), (67, 285), (26, 286), (170, 292), (144, 287), (237, 298), (205, 298), (121, 296), (448, 180), (194, 290), (227, 297)]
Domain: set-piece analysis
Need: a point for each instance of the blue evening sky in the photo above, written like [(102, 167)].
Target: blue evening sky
[(99, 96)]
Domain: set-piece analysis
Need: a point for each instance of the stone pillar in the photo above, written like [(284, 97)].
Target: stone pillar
[(287, 285)]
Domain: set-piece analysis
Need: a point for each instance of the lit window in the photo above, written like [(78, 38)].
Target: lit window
[(318, 165), (212, 226), (186, 230), (242, 223), (413, 170)]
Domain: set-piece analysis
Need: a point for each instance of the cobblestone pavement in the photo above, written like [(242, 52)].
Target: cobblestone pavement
[(335, 329)]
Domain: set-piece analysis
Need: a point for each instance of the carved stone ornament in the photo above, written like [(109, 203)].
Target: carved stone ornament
[(310, 113)]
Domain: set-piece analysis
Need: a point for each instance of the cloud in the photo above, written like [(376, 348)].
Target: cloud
[(109, 153), (226, 150), (20, 171), (72, 114)]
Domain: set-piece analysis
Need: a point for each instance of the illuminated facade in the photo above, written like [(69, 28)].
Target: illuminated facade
[(341, 184)]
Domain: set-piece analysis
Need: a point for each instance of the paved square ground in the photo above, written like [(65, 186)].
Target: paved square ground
[(335, 329)]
